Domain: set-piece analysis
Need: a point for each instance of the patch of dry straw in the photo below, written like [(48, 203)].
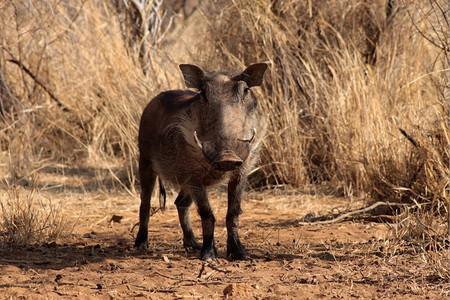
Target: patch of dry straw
[(27, 218)]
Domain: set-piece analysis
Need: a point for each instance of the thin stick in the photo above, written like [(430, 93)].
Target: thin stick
[(173, 278), (205, 263), (152, 290), (201, 270), (21, 65), (350, 214)]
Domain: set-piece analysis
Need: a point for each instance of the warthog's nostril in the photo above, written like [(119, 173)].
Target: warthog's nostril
[(227, 164)]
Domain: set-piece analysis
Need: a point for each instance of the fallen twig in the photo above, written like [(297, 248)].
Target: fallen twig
[(205, 264), (173, 278), (352, 214), (152, 212), (152, 290)]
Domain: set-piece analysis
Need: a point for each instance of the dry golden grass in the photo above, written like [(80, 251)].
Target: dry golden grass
[(341, 88), (27, 218), (87, 109), (345, 78), (421, 231)]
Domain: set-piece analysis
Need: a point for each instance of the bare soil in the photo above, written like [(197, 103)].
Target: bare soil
[(347, 260)]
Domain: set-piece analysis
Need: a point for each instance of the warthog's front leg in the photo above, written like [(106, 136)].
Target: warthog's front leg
[(208, 220), (148, 178), (183, 203), (235, 249)]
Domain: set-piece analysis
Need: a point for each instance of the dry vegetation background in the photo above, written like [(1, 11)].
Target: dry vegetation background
[(356, 97)]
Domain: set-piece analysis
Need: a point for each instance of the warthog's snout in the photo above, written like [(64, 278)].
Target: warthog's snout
[(227, 163), (224, 160)]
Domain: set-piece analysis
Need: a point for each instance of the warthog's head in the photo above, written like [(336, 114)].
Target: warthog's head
[(226, 119)]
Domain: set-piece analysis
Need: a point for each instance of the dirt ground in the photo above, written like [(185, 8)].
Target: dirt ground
[(348, 260)]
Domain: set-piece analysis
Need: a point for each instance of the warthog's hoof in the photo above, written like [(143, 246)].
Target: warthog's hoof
[(236, 251), (208, 253), (141, 246), (191, 244), (141, 242), (238, 255)]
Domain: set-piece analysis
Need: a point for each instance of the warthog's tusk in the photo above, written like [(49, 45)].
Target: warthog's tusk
[(252, 138), (199, 144)]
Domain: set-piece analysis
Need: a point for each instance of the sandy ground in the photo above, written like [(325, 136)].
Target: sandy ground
[(96, 260)]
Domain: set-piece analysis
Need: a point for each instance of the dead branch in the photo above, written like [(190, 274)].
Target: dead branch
[(207, 264), (178, 280), (44, 87), (352, 214), (410, 138), (153, 290), (152, 212)]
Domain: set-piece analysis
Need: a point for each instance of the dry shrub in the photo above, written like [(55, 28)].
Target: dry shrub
[(27, 218), (418, 230), (145, 24)]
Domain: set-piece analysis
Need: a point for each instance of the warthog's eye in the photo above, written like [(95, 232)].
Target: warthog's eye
[(202, 92), (244, 95), (251, 139)]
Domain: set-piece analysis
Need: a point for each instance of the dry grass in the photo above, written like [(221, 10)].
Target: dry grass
[(421, 231), (86, 110), (344, 80), (27, 218), (344, 83)]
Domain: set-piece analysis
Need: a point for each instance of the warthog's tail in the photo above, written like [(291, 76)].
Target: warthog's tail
[(162, 195)]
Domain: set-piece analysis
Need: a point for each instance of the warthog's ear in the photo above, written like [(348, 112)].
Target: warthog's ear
[(193, 76), (253, 75)]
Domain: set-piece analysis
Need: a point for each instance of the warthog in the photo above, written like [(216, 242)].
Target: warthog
[(197, 139)]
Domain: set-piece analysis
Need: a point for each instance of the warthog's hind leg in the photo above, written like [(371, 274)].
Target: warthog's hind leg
[(148, 178), (183, 203)]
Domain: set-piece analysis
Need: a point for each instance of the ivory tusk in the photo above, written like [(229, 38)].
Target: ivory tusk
[(253, 136), (199, 144)]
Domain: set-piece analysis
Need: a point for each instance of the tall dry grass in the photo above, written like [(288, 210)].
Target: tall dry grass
[(347, 78), (72, 87)]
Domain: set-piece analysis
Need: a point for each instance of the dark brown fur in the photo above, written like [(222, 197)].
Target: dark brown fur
[(196, 139)]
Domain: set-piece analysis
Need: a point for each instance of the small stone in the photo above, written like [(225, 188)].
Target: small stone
[(116, 219), (238, 289), (166, 259)]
